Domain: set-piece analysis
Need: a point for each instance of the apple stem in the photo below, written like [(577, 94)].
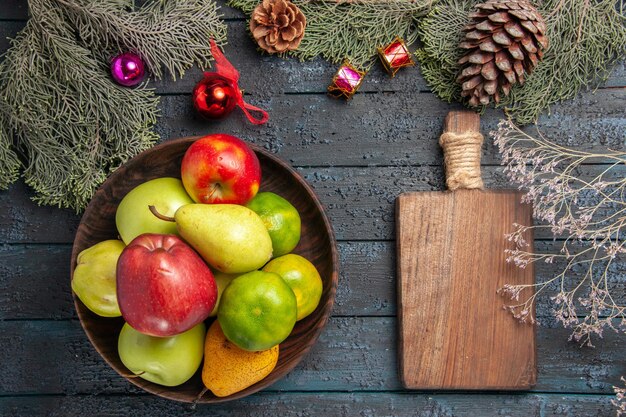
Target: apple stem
[(158, 215), (216, 187)]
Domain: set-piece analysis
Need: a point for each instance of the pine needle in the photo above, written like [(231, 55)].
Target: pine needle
[(9, 162), (174, 33), (440, 33), (63, 121), (586, 40), (353, 30)]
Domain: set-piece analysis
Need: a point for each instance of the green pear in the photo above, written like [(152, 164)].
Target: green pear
[(231, 238), (94, 277), (222, 280)]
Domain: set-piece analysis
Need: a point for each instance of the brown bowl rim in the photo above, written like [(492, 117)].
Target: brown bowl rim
[(162, 391)]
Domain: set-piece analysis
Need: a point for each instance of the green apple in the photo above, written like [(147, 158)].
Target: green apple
[(133, 216), (167, 361), (222, 280), (94, 279)]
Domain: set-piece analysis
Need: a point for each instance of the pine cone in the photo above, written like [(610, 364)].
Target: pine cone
[(277, 25), (505, 40)]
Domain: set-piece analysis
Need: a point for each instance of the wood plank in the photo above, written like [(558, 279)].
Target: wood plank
[(14, 10), (314, 130), (359, 201), (319, 405), (21, 220), (35, 281), (352, 354)]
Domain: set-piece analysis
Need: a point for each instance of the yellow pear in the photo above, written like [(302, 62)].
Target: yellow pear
[(229, 369), (231, 238)]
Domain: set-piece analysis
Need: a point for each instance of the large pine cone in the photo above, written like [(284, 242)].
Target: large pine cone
[(505, 40), (277, 25)]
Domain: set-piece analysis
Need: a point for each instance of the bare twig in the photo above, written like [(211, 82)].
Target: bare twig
[(589, 213)]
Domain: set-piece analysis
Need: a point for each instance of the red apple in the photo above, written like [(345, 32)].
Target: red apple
[(221, 169), (163, 286)]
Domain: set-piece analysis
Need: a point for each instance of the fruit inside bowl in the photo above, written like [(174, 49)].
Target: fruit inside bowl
[(173, 254)]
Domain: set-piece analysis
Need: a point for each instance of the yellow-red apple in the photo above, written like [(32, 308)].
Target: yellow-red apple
[(221, 169)]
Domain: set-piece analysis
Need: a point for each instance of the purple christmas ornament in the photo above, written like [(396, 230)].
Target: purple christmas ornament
[(127, 69), (346, 81)]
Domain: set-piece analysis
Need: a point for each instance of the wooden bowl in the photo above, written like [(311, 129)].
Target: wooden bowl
[(317, 245)]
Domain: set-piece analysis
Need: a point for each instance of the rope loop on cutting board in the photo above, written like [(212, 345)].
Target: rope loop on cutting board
[(461, 155)]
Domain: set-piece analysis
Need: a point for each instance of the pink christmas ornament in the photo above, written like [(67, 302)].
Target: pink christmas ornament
[(346, 81), (127, 69)]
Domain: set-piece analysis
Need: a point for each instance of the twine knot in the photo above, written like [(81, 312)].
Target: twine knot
[(461, 155)]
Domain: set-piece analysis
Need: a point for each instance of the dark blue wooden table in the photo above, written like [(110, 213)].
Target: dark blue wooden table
[(358, 157)]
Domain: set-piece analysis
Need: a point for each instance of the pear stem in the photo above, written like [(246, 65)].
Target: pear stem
[(195, 402), (158, 215)]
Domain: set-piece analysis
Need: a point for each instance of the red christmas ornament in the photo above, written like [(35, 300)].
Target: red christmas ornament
[(214, 96), (395, 56), (217, 94)]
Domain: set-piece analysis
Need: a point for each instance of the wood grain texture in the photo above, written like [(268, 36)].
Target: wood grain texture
[(359, 200), (352, 354), (451, 257), (358, 156), (366, 284), (454, 333), (312, 130), (317, 244), (319, 405)]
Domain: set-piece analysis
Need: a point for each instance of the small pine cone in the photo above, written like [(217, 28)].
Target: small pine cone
[(504, 40), (277, 25)]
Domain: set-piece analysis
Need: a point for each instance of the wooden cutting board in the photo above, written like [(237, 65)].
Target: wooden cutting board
[(453, 330)]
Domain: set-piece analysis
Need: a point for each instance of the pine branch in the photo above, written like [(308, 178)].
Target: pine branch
[(440, 34), (9, 161), (586, 40), (352, 29), (59, 108), (72, 123), (173, 34)]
